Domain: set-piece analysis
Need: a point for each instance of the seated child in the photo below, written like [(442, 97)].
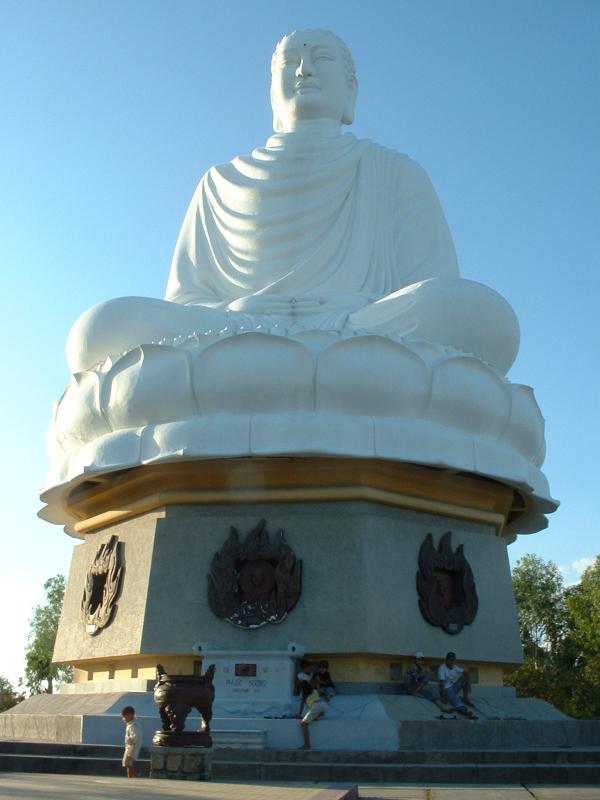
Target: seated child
[(326, 684), (316, 708), (303, 680)]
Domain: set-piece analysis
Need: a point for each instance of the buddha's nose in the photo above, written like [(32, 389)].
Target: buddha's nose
[(305, 67)]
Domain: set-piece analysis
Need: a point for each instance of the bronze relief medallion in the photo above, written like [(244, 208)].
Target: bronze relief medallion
[(254, 582), (447, 594), (102, 586)]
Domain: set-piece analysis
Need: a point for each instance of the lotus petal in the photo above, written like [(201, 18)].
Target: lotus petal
[(78, 416), (371, 375), (148, 385), (254, 373), (525, 427), (468, 395)]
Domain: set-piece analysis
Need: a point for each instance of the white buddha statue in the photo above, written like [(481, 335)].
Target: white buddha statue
[(315, 230)]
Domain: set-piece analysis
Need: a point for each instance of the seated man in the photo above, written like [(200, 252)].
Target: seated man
[(316, 230), (418, 680), (452, 679)]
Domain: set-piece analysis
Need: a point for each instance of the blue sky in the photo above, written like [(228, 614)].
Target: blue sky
[(111, 112)]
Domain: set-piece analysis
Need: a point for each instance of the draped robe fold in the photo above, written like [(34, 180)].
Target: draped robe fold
[(310, 217)]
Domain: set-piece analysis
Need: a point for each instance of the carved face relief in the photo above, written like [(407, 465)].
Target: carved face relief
[(309, 81), (254, 582), (447, 595), (102, 586), (257, 580)]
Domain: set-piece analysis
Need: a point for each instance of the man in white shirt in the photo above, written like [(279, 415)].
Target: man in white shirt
[(452, 679)]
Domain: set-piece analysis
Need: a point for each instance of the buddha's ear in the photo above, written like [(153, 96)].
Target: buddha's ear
[(277, 126), (348, 115)]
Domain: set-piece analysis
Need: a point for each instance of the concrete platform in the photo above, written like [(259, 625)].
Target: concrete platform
[(353, 722), (14, 786)]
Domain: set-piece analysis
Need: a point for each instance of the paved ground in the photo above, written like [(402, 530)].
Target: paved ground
[(21, 786), (479, 793), (29, 786)]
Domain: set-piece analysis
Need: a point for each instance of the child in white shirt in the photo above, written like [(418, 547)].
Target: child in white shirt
[(133, 740)]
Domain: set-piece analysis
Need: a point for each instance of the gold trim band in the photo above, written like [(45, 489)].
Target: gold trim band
[(109, 499)]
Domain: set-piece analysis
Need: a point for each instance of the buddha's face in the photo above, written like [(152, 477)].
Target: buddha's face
[(309, 82)]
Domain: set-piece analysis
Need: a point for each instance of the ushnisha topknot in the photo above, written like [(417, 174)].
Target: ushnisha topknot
[(346, 54)]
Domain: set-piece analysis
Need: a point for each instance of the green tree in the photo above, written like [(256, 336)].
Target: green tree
[(583, 603), (541, 607), (544, 625), (8, 696), (43, 626)]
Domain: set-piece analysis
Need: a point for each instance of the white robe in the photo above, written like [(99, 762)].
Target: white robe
[(310, 217), (311, 233)]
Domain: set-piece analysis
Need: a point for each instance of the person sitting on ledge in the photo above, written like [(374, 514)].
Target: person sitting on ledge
[(315, 230), (327, 688), (452, 679), (317, 707), (418, 681), (303, 681)]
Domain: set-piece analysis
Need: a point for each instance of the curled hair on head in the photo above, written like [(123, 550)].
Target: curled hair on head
[(349, 67), (127, 710)]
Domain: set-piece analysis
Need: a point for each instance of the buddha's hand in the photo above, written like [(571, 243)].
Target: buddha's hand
[(284, 305), (275, 304)]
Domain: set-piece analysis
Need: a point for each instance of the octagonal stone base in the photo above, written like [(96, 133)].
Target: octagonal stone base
[(358, 606)]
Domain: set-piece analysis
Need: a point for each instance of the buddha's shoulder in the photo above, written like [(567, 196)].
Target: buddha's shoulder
[(393, 162), (394, 159)]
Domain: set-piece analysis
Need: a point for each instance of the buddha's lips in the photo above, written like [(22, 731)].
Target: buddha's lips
[(307, 86)]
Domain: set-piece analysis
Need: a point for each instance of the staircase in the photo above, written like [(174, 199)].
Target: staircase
[(579, 765), (66, 759), (561, 766)]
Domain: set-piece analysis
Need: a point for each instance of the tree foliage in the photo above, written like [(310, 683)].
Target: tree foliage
[(583, 603), (560, 632), (43, 626), (8, 696), (541, 607)]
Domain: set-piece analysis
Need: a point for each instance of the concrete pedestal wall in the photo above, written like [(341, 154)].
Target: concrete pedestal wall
[(358, 595)]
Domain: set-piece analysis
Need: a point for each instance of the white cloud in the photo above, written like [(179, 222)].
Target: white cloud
[(582, 564), (572, 572)]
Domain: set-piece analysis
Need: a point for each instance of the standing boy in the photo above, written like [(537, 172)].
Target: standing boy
[(133, 740)]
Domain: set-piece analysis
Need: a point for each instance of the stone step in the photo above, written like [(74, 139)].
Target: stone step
[(19, 746), (468, 773), (66, 764), (240, 740), (549, 765), (501, 756), (254, 751)]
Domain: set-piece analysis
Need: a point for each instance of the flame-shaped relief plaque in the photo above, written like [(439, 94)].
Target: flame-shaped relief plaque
[(446, 587), (102, 586), (254, 582)]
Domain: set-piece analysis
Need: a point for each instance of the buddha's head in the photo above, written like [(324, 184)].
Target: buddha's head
[(312, 78)]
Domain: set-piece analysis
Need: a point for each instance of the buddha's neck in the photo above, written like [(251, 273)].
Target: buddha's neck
[(326, 128)]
